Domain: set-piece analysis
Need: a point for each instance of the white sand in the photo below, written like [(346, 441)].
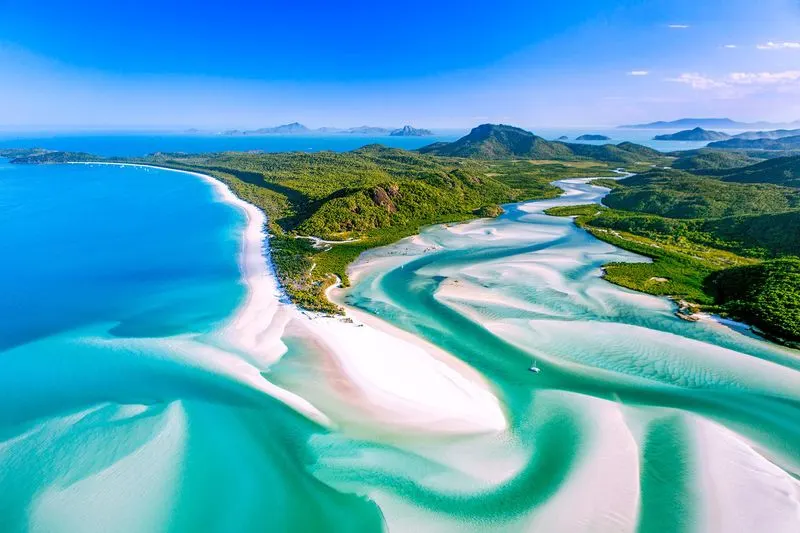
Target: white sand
[(741, 491), (411, 383), (601, 493)]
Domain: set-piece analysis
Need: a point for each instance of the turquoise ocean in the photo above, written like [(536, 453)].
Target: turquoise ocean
[(124, 408)]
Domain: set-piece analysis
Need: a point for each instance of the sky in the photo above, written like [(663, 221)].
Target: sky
[(164, 64)]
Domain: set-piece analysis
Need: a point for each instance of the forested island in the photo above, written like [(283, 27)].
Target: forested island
[(733, 218), (696, 134), (592, 137), (408, 131)]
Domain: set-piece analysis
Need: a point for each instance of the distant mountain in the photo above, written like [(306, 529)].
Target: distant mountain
[(499, 141), (707, 123), (293, 128), (779, 171), (774, 134), (408, 131), (563, 138), (697, 134), (286, 129), (368, 130), (296, 128), (592, 137), (785, 143)]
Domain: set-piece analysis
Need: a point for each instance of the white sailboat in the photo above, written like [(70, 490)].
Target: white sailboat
[(535, 369)]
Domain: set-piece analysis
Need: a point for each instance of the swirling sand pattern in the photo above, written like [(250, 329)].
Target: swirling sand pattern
[(634, 414)]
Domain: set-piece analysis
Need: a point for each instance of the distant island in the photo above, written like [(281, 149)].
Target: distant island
[(287, 129), (696, 134), (408, 131), (563, 138), (368, 130), (774, 134), (781, 144), (593, 137), (700, 134), (707, 123), (295, 128)]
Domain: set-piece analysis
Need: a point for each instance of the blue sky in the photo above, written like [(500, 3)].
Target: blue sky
[(148, 64)]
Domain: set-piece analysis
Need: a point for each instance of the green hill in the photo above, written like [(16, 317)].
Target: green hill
[(499, 141), (705, 159), (779, 171), (676, 194)]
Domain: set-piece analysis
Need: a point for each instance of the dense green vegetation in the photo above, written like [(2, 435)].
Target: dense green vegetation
[(676, 194), (489, 211), (779, 171), (701, 234), (766, 295), (706, 159), (498, 141)]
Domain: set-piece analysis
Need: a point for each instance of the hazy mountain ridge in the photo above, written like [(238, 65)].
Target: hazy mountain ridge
[(707, 123), (295, 128), (784, 143)]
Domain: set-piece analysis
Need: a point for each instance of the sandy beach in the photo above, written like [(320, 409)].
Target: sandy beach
[(395, 377)]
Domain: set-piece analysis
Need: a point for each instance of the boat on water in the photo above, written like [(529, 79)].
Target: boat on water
[(535, 369)]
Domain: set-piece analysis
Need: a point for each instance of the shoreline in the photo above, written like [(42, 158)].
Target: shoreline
[(371, 357), (255, 327), (695, 316)]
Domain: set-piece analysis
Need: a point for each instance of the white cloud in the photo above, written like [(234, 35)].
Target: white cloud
[(677, 26), (729, 46), (697, 81), (735, 82), (638, 73), (779, 45), (765, 78)]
